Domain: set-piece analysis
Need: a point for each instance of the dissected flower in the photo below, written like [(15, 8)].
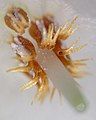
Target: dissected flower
[(48, 35), (17, 19)]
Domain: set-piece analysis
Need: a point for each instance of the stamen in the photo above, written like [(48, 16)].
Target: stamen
[(71, 49), (30, 84), (51, 38), (17, 19), (67, 30)]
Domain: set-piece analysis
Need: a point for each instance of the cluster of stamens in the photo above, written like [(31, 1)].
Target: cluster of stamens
[(48, 36)]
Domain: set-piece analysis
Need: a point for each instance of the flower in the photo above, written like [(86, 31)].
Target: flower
[(48, 34)]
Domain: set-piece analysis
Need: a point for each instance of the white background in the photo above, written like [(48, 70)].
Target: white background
[(16, 105)]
